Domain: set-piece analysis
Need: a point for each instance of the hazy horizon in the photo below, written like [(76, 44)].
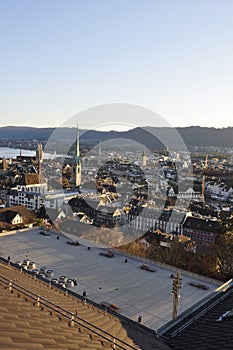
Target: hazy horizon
[(120, 130)]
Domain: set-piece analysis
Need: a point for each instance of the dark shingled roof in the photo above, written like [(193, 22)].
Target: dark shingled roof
[(212, 328), (202, 224)]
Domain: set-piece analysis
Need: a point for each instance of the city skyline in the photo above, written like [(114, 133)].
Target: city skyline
[(60, 58)]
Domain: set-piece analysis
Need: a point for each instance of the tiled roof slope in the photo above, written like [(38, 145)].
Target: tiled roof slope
[(31, 179), (34, 329), (25, 327), (7, 214), (212, 330)]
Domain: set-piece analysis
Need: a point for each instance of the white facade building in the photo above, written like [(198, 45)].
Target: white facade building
[(31, 200), (29, 191)]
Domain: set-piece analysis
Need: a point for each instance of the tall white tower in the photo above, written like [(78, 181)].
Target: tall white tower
[(144, 157), (76, 165)]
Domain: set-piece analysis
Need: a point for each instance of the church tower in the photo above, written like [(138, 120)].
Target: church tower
[(76, 165), (39, 156), (144, 158)]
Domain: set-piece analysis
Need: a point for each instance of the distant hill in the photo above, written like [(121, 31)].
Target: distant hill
[(192, 136), (200, 136), (25, 133)]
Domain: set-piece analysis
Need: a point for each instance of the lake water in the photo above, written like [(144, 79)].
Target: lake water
[(6, 152)]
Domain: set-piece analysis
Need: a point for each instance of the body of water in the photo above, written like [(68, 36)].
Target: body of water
[(6, 152)]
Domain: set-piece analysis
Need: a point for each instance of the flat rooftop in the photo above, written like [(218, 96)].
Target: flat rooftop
[(135, 291)]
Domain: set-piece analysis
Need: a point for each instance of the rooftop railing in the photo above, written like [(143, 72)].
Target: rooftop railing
[(83, 299), (63, 313)]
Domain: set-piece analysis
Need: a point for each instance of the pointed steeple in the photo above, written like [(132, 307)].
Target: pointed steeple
[(100, 149), (77, 150), (76, 165), (99, 160), (20, 151)]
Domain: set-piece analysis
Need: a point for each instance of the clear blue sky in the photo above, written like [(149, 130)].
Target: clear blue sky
[(61, 56)]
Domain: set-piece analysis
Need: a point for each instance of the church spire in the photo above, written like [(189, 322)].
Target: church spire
[(77, 151), (20, 150), (100, 149), (76, 164), (100, 153)]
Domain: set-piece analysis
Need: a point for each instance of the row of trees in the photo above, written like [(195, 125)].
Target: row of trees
[(214, 261)]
